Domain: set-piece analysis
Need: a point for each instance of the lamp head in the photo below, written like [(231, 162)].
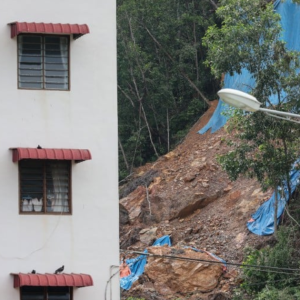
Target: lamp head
[(239, 99)]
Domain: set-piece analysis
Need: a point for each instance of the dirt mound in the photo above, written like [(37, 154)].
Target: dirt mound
[(187, 195)]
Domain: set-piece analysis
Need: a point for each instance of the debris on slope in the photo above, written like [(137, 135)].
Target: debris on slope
[(187, 195), (173, 275)]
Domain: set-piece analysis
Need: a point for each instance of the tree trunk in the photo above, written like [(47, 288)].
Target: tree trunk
[(181, 71), (124, 156), (275, 210), (168, 130)]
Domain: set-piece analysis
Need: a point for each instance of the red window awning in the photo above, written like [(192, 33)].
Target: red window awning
[(49, 28), (74, 280), (59, 154)]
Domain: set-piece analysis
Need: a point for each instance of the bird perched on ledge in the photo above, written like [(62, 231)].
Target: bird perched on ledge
[(59, 270), (33, 272)]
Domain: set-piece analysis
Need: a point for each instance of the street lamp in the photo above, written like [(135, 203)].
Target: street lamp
[(247, 102)]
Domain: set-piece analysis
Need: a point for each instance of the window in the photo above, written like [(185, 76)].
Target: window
[(43, 62), (45, 186), (46, 293)]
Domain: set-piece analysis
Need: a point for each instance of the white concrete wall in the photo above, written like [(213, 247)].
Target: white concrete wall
[(84, 117)]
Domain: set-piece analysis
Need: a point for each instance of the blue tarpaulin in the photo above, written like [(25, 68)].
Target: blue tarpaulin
[(164, 240), (263, 223), (290, 21), (242, 82), (137, 265)]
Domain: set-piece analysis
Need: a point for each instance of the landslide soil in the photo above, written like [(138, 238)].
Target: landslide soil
[(187, 195)]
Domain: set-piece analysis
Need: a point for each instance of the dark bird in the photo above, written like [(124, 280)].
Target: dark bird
[(59, 270), (39, 147), (33, 272)]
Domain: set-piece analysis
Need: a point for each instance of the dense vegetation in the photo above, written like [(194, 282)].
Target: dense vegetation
[(250, 39), (282, 280), (263, 147), (171, 55), (163, 85)]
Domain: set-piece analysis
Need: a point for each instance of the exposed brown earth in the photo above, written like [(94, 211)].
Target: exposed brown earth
[(187, 195)]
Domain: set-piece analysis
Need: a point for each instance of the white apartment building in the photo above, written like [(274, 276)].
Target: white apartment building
[(58, 150)]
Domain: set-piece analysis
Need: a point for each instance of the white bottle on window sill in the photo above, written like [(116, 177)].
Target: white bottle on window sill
[(37, 204), (27, 205)]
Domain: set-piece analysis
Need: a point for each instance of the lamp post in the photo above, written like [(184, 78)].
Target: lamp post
[(247, 102)]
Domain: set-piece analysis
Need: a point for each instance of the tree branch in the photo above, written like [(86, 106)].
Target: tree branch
[(213, 4), (124, 156), (182, 72)]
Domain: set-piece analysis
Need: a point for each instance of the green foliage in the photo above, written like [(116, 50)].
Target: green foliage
[(249, 38), (271, 283), (160, 58), (273, 293), (270, 293), (243, 39), (280, 256), (133, 298), (263, 148)]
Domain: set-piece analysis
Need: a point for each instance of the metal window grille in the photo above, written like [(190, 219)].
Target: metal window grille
[(45, 186), (43, 62)]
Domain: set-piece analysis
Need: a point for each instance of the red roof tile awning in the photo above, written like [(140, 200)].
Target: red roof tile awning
[(59, 154), (73, 280), (49, 28)]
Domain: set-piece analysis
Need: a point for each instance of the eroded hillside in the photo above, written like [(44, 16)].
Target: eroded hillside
[(186, 194)]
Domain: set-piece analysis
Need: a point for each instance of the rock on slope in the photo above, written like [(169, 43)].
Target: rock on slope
[(187, 195)]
